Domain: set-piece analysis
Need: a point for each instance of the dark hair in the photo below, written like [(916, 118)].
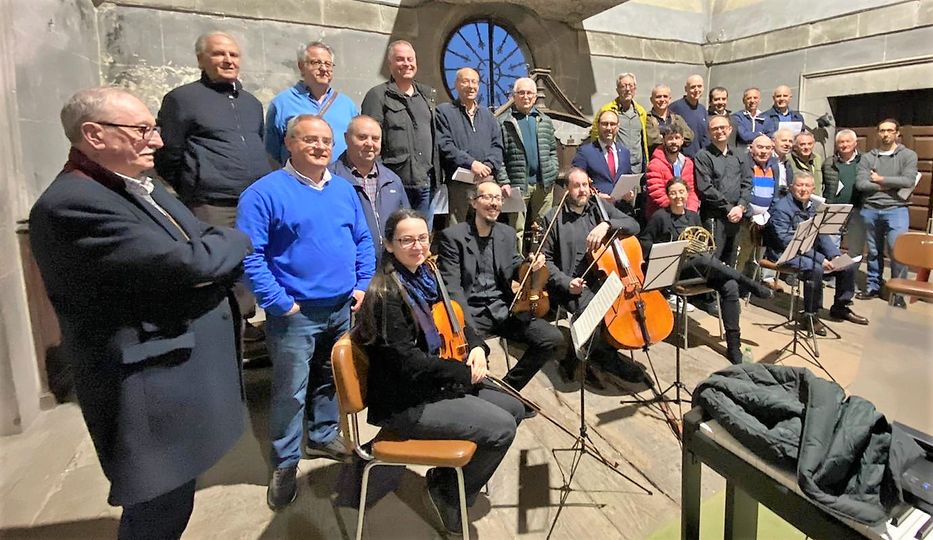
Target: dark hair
[(674, 181), (671, 129), (897, 125), (367, 328), (717, 89)]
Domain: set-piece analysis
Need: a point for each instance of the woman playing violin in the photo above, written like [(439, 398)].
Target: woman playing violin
[(666, 225), (415, 393)]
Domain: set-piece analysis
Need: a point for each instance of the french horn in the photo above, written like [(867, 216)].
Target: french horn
[(699, 240)]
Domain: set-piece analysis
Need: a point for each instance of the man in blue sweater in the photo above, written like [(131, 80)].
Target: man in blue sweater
[(694, 113), (312, 260)]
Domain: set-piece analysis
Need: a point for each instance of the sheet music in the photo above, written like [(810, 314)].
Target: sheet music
[(664, 264), (904, 193), (804, 237), (844, 261), (463, 175), (625, 184), (439, 202), (582, 328), (514, 202), (795, 127)]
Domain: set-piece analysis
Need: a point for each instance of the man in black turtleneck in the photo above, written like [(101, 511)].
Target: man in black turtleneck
[(213, 150)]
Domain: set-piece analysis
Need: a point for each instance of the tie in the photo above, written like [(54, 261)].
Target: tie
[(611, 158)]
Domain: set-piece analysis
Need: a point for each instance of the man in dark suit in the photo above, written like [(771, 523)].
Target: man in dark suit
[(141, 288), (478, 260), (605, 160)]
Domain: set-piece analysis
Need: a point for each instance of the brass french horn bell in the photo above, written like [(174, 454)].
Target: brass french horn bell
[(699, 240)]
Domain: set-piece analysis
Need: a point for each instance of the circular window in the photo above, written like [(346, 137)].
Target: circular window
[(492, 51)]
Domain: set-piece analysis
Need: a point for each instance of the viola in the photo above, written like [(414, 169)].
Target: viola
[(448, 318), (532, 296), (637, 318)]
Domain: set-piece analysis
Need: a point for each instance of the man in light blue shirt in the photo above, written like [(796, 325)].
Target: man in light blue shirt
[(311, 95)]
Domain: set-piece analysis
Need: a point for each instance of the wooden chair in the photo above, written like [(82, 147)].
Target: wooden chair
[(351, 368), (685, 289), (916, 250)]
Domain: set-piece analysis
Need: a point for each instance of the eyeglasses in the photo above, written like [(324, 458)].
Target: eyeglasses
[(409, 241), (526, 93), (311, 140), (317, 64), (486, 197), (145, 132), (626, 85)]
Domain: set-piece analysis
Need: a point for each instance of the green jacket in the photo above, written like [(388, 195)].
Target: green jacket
[(515, 171), (815, 167)]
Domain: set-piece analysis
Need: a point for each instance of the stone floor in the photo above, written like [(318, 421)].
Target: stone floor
[(52, 486)]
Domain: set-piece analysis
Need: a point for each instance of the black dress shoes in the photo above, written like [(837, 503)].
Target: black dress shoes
[(867, 295), (846, 314), (818, 327)]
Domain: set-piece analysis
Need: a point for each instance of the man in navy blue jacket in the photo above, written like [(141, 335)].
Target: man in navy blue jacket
[(380, 190), (605, 160), (781, 111), (786, 214)]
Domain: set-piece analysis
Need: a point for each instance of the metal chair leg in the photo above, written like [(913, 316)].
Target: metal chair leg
[(362, 507), (722, 331), (463, 507), (504, 343), (682, 306)]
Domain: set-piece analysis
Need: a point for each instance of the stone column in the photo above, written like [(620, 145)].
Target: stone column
[(19, 379)]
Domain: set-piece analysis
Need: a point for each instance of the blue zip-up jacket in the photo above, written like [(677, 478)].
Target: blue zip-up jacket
[(461, 142), (786, 214), (390, 196), (774, 119), (310, 246), (748, 128)]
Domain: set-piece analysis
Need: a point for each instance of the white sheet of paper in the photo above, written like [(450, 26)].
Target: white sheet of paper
[(586, 323), (514, 202), (663, 264), (844, 261), (463, 175), (796, 127), (625, 184), (839, 188), (761, 219), (818, 202), (904, 193), (439, 202)]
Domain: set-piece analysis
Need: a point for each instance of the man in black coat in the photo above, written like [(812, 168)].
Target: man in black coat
[(478, 260), (140, 288)]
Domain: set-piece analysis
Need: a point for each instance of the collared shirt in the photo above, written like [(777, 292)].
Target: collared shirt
[(305, 180), (607, 149), (369, 180), (142, 188), (484, 295)]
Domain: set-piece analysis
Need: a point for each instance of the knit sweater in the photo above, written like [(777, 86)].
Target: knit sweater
[(899, 170), (309, 246)]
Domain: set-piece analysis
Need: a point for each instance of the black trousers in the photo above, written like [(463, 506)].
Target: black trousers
[(542, 339), (726, 235), (813, 288), (162, 518)]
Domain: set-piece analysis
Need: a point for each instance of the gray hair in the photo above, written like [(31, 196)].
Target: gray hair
[(802, 174), (523, 79), (87, 105), (659, 86), (626, 76), (293, 122), (845, 133), (302, 53), (392, 47), (200, 45), (804, 133), (751, 89), (774, 136)]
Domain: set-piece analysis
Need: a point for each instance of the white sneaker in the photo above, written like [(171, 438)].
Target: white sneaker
[(672, 300)]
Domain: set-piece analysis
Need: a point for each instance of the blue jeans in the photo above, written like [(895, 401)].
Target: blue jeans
[(299, 347), (882, 227), (420, 200)]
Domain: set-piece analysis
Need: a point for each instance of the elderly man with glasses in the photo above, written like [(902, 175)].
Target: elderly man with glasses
[(313, 94), (140, 287), (479, 260), (313, 258)]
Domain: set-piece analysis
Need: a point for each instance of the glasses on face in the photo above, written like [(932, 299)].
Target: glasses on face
[(145, 131), (310, 140), (317, 64), (526, 93), (487, 197), (409, 241), (627, 86)]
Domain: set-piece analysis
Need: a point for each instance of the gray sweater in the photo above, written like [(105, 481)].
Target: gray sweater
[(899, 170)]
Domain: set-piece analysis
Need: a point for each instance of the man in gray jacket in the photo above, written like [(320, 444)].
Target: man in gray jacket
[(882, 173), (405, 110)]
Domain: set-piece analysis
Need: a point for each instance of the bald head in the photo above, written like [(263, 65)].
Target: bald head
[(467, 83), (782, 96), (761, 148), (364, 142), (693, 89)]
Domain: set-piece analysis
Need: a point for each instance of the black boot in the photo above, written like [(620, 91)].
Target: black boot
[(734, 347)]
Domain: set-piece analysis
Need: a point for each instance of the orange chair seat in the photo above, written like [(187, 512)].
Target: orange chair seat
[(910, 287), (770, 265), (434, 453)]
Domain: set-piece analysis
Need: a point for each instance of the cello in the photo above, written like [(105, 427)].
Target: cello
[(637, 318)]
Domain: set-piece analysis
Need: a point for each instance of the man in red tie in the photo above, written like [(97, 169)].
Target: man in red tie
[(605, 160)]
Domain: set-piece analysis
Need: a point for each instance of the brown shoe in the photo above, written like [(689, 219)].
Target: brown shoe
[(774, 285), (818, 327)]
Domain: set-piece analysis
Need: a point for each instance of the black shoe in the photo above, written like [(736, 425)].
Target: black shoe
[(867, 295), (591, 379), (818, 327), (567, 369), (625, 369), (447, 517), (712, 308), (335, 450), (282, 488), (252, 334), (846, 314), (529, 413), (899, 302)]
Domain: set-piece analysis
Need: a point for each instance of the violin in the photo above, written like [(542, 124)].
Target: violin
[(532, 297), (637, 318), (448, 318)]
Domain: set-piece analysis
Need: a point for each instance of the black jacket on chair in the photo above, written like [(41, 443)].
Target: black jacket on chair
[(145, 320)]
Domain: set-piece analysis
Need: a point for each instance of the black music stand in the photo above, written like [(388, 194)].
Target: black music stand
[(583, 344)]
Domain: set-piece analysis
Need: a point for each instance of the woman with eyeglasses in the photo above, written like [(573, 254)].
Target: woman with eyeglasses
[(414, 393), (666, 225)]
